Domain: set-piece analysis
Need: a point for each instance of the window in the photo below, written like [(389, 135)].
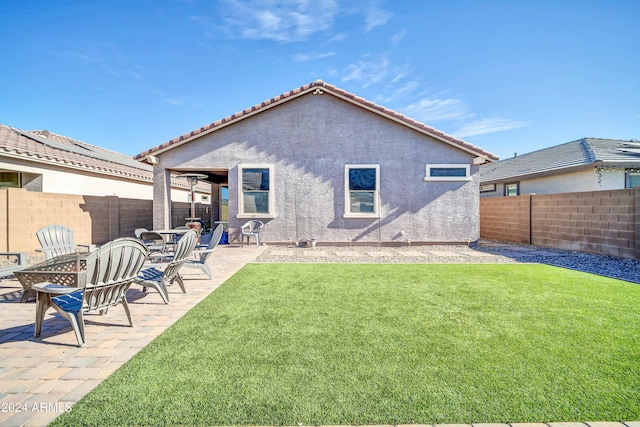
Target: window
[(512, 189), (487, 188), (362, 184), (633, 179), (255, 195), (447, 173), (10, 180)]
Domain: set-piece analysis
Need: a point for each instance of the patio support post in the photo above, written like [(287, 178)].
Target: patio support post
[(161, 198)]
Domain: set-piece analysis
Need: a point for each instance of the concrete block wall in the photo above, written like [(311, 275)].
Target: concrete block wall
[(604, 222), (594, 221), (506, 218), (94, 219)]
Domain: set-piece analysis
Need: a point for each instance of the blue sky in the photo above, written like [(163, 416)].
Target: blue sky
[(508, 76)]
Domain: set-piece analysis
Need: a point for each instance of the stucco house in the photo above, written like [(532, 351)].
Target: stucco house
[(44, 161), (321, 162), (588, 164)]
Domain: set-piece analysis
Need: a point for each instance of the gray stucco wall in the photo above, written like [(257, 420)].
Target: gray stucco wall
[(309, 140)]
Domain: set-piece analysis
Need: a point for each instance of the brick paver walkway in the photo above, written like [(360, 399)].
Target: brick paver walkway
[(40, 378)]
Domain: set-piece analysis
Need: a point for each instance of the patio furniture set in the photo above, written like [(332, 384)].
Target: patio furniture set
[(78, 279)]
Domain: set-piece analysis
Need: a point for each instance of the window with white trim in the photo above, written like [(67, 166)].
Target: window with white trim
[(255, 195), (448, 172), (361, 191)]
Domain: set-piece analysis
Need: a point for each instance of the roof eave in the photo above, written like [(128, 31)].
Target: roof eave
[(541, 174), (318, 87)]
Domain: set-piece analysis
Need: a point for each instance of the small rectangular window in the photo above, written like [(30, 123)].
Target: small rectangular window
[(486, 188), (10, 180), (361, 191), (512, 189), (633, 179), (255, 198), (453, 172)]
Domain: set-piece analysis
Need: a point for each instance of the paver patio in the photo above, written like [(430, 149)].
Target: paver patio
[(41, 378)]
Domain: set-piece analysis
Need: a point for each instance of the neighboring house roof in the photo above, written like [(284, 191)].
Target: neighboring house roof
[(42, 146), (319, 86), (573, 155)]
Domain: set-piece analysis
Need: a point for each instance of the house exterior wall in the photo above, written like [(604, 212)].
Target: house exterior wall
[(584, 180), (52, 179), (309, 140)]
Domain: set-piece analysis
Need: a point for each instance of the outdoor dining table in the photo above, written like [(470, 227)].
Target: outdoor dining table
[(67, 270), (169, 235), (171, 232)]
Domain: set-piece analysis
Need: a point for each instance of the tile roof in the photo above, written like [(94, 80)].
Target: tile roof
[(571, 155), (42, 146), (319, 86)]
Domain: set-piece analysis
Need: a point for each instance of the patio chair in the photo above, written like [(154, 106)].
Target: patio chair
[(162, 275), (110, 271), (202, 254), (7, 269), (139, 231), (252, 228), (153, 241), (57, 239)]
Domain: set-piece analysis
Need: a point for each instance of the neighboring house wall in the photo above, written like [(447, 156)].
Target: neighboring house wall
[(309, 140), (53, 179), (605, 222), (584, 180)]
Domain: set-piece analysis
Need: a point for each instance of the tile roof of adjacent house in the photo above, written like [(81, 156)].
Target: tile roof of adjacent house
[(319, 86), (42, 146), (564, 157)]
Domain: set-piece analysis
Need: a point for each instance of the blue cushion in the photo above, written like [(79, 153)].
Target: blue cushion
[(152, 274), (71, 303)]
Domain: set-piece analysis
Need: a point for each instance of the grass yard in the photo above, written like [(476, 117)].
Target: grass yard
[(289, 344)]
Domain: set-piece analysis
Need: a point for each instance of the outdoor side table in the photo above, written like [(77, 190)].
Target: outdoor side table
[(67, 270)]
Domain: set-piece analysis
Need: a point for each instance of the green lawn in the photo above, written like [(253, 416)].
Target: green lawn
[(283, 344)]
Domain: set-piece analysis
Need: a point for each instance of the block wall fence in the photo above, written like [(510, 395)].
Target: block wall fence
[(94, 219), (602, 222)]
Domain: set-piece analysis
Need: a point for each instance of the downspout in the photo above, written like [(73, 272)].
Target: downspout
[(379, 220)]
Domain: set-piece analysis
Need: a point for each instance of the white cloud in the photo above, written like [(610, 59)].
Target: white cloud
[(279, 20), (483, 126), (376, 18), (300, 57), (338, 37), (431, 110), (398, 36), (368, 71)]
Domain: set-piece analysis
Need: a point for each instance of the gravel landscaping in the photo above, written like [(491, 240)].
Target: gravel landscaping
[(484, 252)]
